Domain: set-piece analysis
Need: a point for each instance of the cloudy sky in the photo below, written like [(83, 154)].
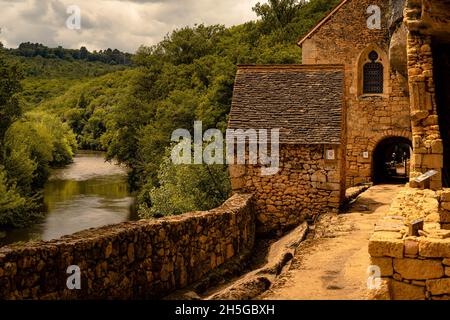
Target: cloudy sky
[(121, 24)]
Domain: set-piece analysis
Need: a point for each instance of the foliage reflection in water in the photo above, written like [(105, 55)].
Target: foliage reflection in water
[(87, 194)]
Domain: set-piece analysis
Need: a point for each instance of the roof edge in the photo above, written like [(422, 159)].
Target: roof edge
[(274, 67), (321, 22)]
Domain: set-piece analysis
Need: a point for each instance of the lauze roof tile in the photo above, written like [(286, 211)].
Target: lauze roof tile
[(304, 101)]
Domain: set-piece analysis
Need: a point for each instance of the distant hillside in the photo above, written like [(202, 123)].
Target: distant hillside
[(109, 56), (46, 78)]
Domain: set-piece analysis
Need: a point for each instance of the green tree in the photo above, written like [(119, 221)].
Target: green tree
[(276, 14), (10, 76), (15, 210), (184, 188)]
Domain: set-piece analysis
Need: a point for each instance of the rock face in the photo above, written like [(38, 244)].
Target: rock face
[(397, 53), (134, 260), (396, 19)]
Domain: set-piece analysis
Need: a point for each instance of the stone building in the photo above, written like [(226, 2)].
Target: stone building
[(307, 104), (393, 93), (376, 91)]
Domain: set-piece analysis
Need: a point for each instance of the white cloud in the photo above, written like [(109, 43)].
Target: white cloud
[(121, 24)]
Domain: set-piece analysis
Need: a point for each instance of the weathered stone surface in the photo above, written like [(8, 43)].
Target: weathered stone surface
[(445, 195), (404, 291), (447, 271), (134, 260), (444, 216), (381, 293), (434, 248), (305, 185), (397, 51), (411, 247), (385, 265), (414, 269), (379, 247), (439, 287)]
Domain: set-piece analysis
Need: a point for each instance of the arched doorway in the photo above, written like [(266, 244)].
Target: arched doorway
[(391, 160)]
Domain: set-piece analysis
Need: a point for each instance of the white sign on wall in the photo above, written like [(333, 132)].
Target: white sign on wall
[(330, 154), (366, 154)]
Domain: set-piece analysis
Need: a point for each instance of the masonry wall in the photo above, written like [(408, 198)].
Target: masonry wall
[(346, 39), (305, 185), (425, 21), (414, 267), (144, 259)]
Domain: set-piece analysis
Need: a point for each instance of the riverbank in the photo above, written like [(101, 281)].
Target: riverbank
[(86, 194)]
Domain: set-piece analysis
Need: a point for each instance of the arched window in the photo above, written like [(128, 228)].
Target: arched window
[(373, 75)]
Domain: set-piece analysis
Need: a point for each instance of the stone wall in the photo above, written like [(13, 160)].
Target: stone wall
[(305, 185), (424, 20), (414, 267), (444, 209), (345, 39), (144, 259)]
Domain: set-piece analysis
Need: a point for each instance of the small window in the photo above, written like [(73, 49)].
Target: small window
[(373, 75)]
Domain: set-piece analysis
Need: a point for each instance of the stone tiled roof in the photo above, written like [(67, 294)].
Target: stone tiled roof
[(304, 101)]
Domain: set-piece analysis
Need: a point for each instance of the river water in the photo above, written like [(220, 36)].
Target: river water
[(89, 193)]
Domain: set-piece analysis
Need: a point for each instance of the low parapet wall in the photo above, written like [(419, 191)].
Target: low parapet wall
[(414, 267), (144, 259)]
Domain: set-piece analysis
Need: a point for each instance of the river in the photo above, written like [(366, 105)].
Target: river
[(89, 193)]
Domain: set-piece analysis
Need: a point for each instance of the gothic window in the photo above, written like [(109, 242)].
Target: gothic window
[(373, 75)]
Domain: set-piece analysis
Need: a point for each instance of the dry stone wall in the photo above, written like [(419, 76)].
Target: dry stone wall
[(305, 185), (414, 267), (144, 259)]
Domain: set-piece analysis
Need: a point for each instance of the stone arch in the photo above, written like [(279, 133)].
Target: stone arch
[(362, 60), (386, 143)]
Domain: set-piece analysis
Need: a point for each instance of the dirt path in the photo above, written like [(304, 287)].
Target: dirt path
[(332, 263)]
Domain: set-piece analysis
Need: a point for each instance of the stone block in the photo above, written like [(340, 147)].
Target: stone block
[(446, 206), (434, 248), (382, 292), (388, 247), (445, 195), (437, 146), (411, 247), (237, 171), (414, 269), (404, 291), (439, 287), (385, 265), (237, 183), (433, 161)]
